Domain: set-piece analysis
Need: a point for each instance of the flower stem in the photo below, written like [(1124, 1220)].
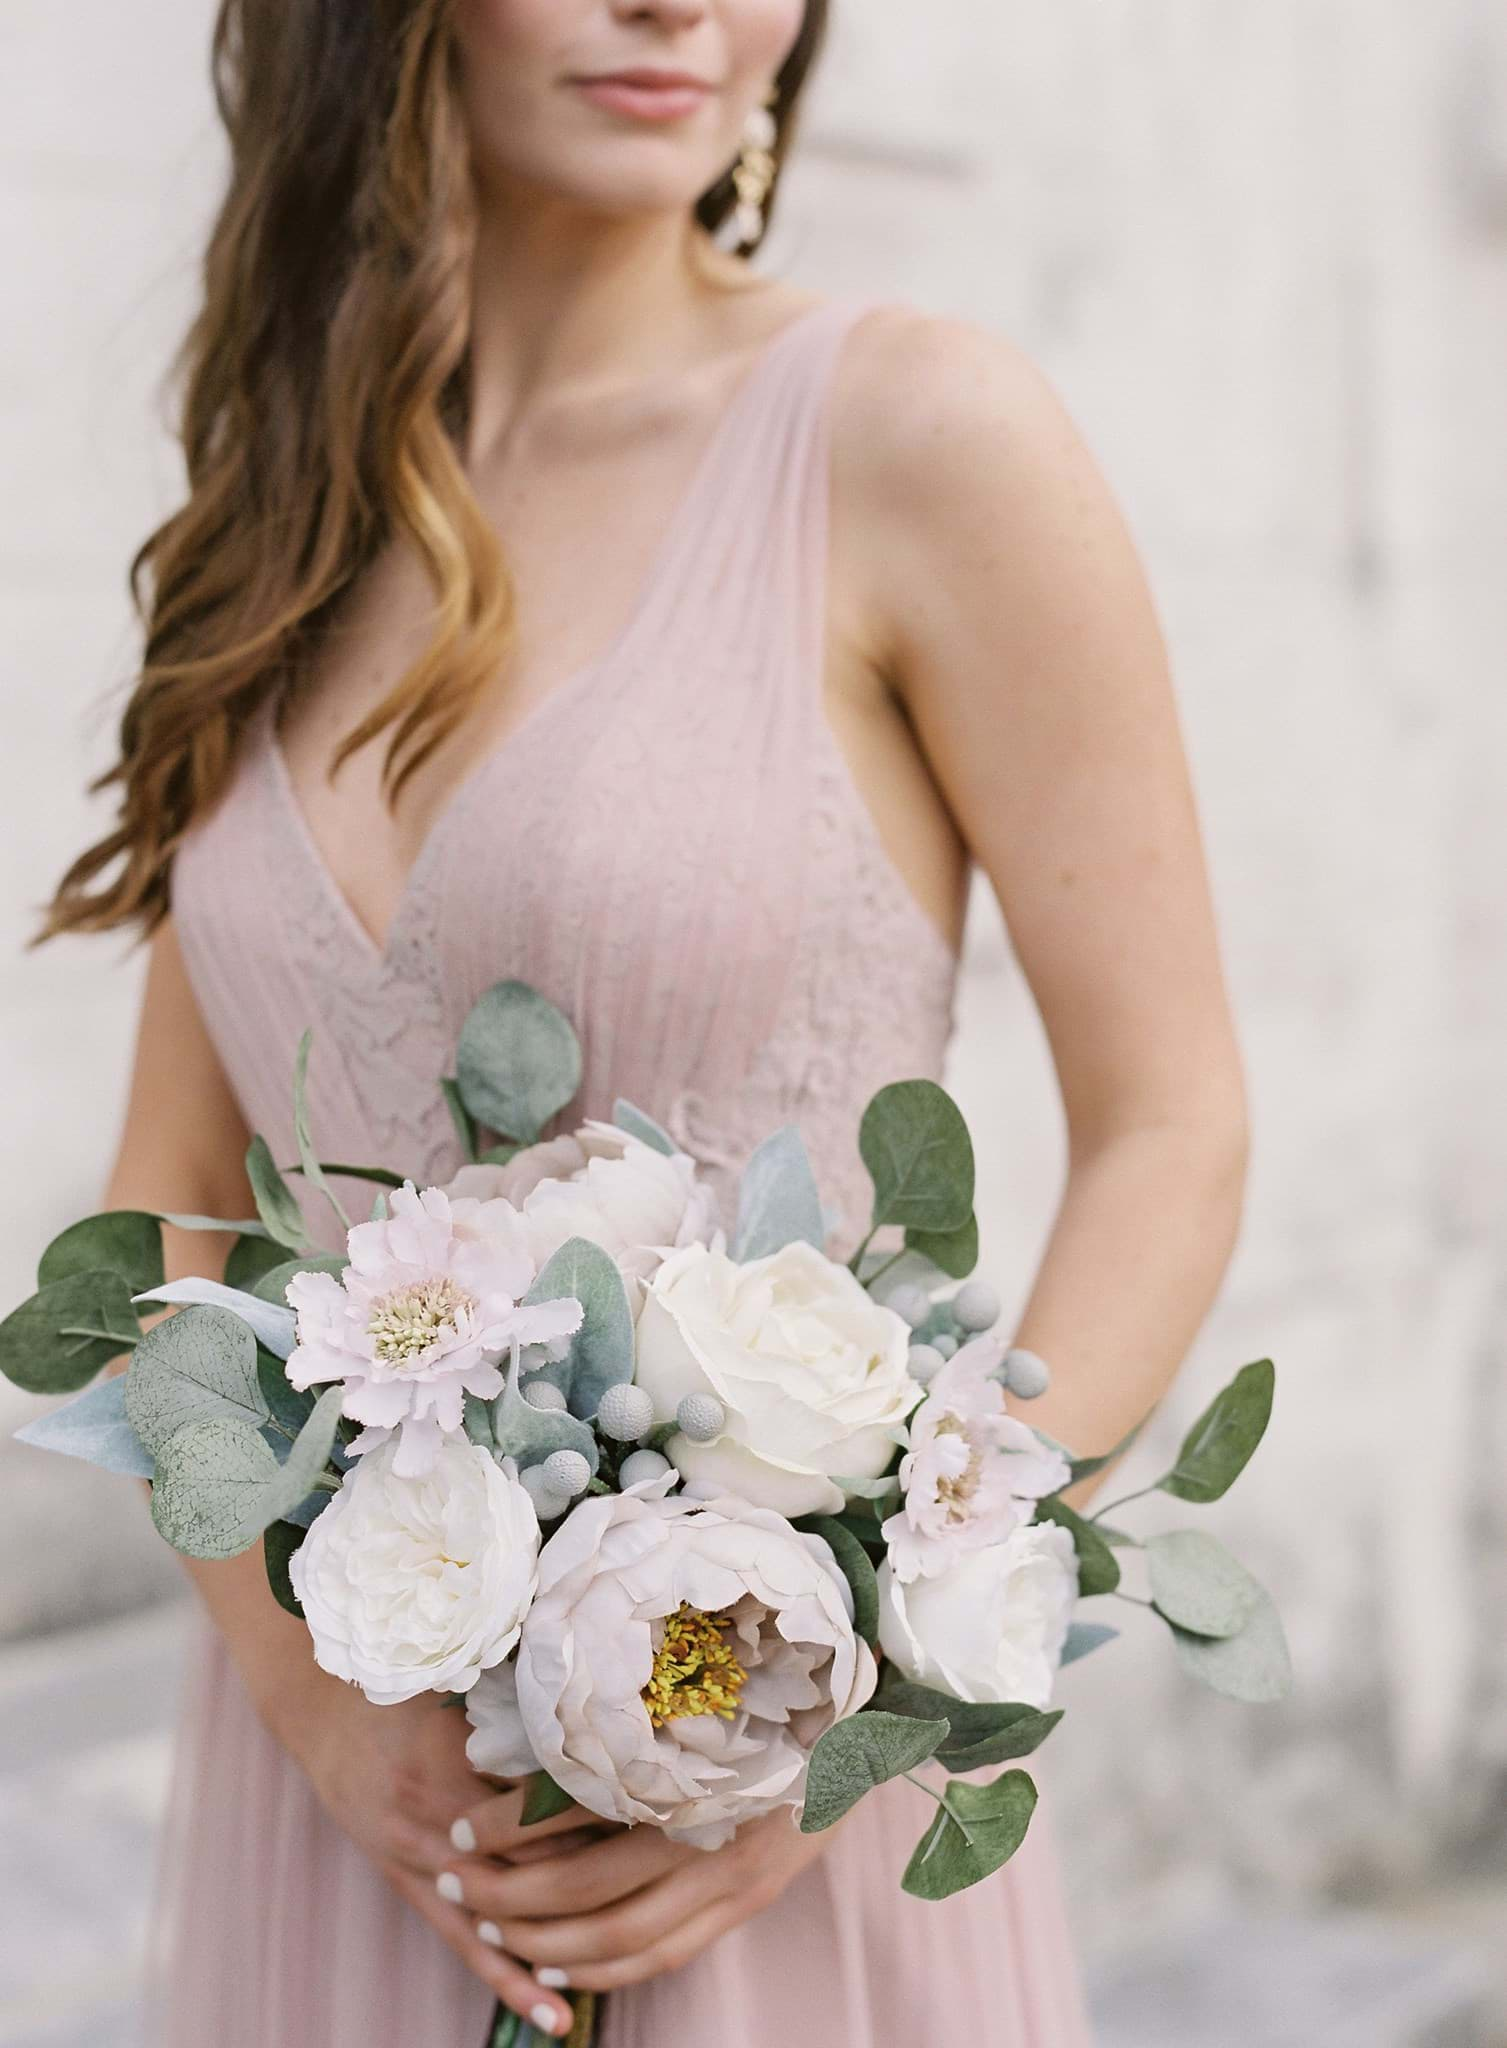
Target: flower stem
[(1124, 1501)]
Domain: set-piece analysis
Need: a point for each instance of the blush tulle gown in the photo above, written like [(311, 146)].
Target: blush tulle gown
[(672, 849)]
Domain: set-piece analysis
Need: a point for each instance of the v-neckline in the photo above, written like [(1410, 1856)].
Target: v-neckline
[(378, 955)]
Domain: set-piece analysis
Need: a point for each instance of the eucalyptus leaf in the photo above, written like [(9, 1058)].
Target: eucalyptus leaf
[(916, 1146), (124, 1241), (1198, 1585), (1220, 1444), (1253, 1666), (288, 1406), (643, 1127), (197, 1365), (93, 1427), (978, 1828), (249, 1258), (542, 1800), (955, 1252), (276, 1203), (213, 1478), (858, 1753), (1084, 1637), (601, 1351), (529, 1434), (778, 1202), (308, 1158), (461, 1117), (300, 1472), (518, 1061), (980, 1732), (279, 1541), (271, 1325), (1085, 1468), (1098, 1567), (854, 1563), (66, 1333)]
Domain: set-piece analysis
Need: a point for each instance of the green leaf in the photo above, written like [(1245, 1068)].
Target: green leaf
[(542, 1800), (1098, 1567), (288, 1406), (601, 1351), (124, 1241), (1198, 1585), (956, 1252), (1084, 1637), (273, 1284), (857, 1754), (276, 1203), (300, 1472), (279, 1541), (518, 1061), (529, 1434), (49, 1344), (916, 1147), (249, 1259), (199, 1364), (1085, 1468), (476, 1416), (643, 1127), (500, 1155), (977, 1830), (1253, 1666), (778, 1202), (1220, 1444), (308, 1158), (980, 1732), (218, 1484), (854, 1563), (461, 1117), (93, 1427)]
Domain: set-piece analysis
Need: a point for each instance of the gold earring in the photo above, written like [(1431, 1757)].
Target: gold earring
[(753, 173)]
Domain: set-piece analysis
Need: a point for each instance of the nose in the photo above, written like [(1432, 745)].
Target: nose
[(670, 14)]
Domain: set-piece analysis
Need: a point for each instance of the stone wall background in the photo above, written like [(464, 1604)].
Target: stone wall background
[(1262, 250)]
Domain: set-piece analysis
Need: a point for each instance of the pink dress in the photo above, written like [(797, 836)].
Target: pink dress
[(672, 849)]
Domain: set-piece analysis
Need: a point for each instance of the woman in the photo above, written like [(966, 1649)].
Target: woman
[(681, 641)]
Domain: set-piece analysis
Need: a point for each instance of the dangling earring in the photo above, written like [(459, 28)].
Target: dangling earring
[(753, 173)]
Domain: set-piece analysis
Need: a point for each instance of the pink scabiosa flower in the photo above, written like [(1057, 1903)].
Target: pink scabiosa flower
[(428, 1304), (973, 1473)]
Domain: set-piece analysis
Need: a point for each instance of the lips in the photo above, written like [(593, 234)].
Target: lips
[(646, 95)]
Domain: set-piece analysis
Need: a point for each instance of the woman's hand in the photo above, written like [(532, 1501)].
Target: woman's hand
[(396, 1779), (628, 1906)]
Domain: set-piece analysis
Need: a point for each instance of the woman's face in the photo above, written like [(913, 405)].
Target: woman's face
[(541, 109)]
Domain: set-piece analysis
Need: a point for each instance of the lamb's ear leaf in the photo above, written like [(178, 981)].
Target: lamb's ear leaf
[(276, 1204), (196, 1365), (1221, 1443), (542, 1800), (124, 1241), (855, 1755), (1083, 1638), (518, 1061), (528, 1434), (643, 1127), (854, 1563), (977, 1829), (601, 1351), (778, 1202), (270, 1324), (93, 1427), (66, 1333), (915, 1143), (461, 1117)]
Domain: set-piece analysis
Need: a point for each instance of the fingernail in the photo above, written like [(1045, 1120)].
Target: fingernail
[(449, 1886), (463, 1836), (489, 1932), (551, 1978), (547, 2020)]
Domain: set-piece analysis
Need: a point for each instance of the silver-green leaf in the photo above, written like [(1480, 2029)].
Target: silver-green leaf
[(1253, 1666), (276, 1204), (1198, 1585), (643, 1127), (68, 1331), (198, 1365), (518, 1061), (601, 1350), (93, 1427), (778, 1202)]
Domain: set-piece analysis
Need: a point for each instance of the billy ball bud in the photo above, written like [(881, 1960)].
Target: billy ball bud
[(701, 1417), (625, 1413)]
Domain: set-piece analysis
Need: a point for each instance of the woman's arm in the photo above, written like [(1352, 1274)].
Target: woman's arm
[(395, 1778), (1023, 644)]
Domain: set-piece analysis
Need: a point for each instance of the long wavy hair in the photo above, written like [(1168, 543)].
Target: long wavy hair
[(324, 389)]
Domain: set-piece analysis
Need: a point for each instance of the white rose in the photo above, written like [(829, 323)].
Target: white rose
[(808, 1367), (601, 1183), (993, 1625), (414, 1585), (678, 1665)]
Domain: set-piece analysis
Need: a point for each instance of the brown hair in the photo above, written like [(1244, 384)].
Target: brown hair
[(324, 386)]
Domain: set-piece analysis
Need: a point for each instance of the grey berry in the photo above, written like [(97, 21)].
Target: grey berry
[(639, 1466), (701, 1417), (911, 1303), (625, 1413), (1026, 1375), (548, 1504), (945, 1342), (976, 1306), (566, 1472), (923, 1362), (544, 1394)]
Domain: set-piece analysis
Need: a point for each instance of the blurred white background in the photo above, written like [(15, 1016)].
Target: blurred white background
[(1261, 247)]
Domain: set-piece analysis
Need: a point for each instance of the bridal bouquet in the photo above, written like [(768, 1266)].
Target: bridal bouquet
[(651, 1500)]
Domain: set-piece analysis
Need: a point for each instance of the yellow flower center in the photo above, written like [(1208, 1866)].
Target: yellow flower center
[(405, 1323), (956, 1493), (695, 1671)]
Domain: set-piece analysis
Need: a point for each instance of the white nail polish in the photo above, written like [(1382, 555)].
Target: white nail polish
[(544, 2018), (551, 1978), (489, 1932), (463, 1836), (449, 1886)]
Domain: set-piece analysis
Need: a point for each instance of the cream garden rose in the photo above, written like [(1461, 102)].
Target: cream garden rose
[(679, 1662), (809, 1369), (414, 1585), (992, 1626)]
